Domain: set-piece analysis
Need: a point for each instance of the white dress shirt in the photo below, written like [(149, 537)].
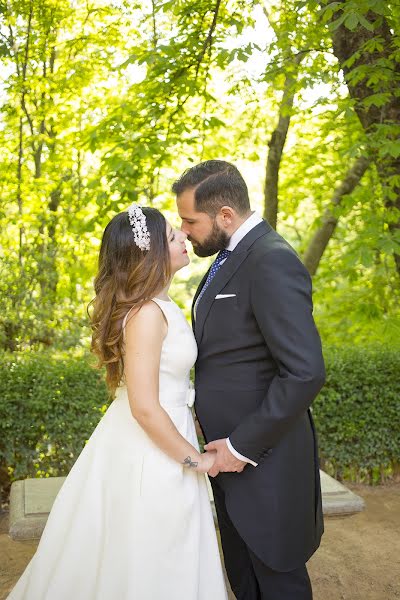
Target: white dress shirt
[(243, 230)]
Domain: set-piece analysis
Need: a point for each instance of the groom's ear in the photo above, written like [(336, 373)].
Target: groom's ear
[(226, 216)]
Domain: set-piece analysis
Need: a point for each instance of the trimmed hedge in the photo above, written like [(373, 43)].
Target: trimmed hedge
[(357, 414), (50, 405)]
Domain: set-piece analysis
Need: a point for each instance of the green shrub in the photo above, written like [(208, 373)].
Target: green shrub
[(357, 413), (49, 407)]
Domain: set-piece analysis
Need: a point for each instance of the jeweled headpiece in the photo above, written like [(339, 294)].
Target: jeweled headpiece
[(137, 219)]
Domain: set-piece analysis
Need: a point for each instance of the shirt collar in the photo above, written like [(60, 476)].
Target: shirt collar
[(243, 230)]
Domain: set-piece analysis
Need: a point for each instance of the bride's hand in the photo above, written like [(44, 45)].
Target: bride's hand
[(206, 462)]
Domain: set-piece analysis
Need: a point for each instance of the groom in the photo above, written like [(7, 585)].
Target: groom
[(259, 368)]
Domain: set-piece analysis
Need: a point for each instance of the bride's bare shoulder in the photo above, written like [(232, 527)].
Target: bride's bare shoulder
[(148, 319)]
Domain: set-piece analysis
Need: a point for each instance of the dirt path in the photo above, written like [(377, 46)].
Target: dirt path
[(359, 558)]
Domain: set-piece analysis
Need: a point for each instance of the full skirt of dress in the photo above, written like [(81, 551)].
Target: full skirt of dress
[(129, 523)]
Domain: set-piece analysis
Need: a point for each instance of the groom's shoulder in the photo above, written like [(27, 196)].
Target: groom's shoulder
[(271, 243), (271, 253)]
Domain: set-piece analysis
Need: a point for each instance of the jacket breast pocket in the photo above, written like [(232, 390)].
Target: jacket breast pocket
[(225, 305), (224, 296)]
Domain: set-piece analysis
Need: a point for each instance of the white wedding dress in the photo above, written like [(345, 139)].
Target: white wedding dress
[(130, 523)]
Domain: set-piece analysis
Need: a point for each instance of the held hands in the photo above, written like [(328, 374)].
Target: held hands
[(224, 462), (207, 460)]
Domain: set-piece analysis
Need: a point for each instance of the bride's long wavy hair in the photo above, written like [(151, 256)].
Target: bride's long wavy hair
[(127, 277)]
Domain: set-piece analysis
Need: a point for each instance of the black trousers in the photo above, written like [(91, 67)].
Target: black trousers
[(249, 577)]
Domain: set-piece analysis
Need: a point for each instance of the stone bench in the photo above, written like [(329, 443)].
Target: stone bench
[(32, 499), (337, 499)]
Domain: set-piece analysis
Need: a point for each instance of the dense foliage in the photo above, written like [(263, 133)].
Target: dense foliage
[(357, 414), (103, 102), (49, 408)]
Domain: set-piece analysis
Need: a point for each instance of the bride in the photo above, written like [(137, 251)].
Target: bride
[(133, 519)]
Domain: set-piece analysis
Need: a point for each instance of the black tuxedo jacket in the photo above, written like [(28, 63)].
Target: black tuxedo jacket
[(258, 370)]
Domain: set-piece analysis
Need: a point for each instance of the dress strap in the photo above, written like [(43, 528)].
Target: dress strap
[(162, 304), (125, 319)]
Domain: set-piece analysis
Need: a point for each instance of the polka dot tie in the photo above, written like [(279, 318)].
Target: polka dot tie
[(214, 268)]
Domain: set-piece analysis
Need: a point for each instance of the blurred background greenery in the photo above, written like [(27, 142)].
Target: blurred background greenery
[(105, 102)]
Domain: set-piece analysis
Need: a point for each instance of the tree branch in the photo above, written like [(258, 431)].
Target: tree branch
[(208, 41), (276, 145), (325, 231)]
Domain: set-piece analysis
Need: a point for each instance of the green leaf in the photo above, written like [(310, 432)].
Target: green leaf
[(338, 22), (351, 21), (377, 100), (365, 23), (390, 148)]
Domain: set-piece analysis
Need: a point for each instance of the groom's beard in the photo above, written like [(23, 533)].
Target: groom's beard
[(216, 241)]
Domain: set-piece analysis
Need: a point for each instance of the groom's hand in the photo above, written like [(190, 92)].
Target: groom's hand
[(225, 462)]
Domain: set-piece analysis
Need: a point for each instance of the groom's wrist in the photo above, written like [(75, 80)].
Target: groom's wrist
[(238, 455)]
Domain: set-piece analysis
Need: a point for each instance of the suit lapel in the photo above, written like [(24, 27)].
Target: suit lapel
[(219, 281), (225, 273)]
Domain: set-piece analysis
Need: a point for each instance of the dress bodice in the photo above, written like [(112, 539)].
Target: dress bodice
[(178, 355)]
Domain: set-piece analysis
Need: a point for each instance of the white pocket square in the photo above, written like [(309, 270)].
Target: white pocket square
[(219, 296)]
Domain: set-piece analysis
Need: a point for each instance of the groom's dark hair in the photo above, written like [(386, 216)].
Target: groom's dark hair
[(216, 183)]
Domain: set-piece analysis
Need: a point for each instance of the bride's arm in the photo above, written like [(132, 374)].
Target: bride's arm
[(144, 335)]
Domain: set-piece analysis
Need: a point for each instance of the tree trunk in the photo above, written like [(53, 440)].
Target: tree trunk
[(346, 43), (276, 144), (323, 234)]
